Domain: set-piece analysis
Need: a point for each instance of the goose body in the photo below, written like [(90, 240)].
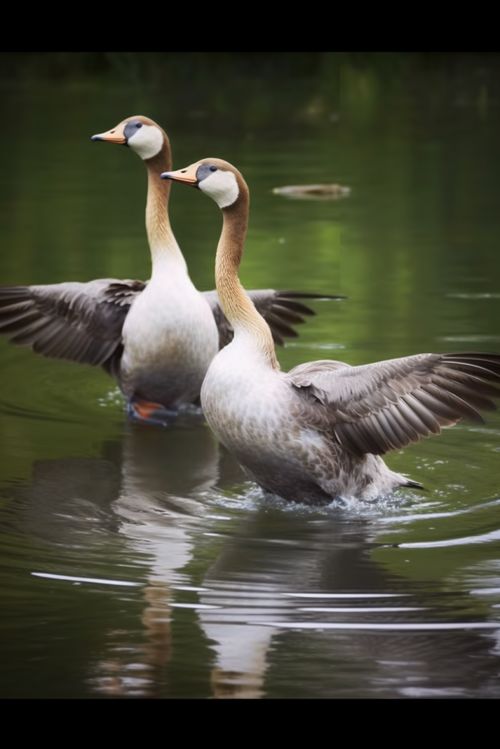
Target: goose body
[(318, 431), (157, 338), (260, 416), (167, 347)]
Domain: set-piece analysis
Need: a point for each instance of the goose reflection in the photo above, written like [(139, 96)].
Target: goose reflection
[(229, 596), (161, 473), (302, 609), (147, 490), (264, 575)]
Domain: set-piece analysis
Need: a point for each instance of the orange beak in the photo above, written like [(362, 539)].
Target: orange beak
[(116, 135), (187, 175)]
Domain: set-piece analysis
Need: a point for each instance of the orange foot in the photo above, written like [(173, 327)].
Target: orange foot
[(149, 411), (145, 409)]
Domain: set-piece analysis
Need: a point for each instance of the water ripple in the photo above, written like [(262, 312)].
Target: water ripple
[(435, 515), (345, 595), (473, 295), (394, 627), (481, 538), (360, 609), (75, 579)]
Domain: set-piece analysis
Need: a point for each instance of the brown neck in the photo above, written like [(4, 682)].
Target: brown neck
[(161, 238), (236, 304)]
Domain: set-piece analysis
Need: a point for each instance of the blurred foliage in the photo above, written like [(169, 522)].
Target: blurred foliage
[(256, 87)]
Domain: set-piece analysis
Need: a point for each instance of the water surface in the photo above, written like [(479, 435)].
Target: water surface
[(138, 561)]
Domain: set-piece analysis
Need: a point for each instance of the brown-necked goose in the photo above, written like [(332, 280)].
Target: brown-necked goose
[(156, 338), (317, 432)]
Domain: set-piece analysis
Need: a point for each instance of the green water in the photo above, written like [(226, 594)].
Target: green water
[(192, 584)]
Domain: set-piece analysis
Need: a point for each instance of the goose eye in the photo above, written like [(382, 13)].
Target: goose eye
[(213, 168), (138, 124)]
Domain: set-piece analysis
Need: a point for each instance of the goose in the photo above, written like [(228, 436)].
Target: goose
[(156, 338), (317, 432)]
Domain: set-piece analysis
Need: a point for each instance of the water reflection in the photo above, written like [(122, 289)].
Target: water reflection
[(254, 583), (81, 505), (414, 248), (157, 522), (200, 592)]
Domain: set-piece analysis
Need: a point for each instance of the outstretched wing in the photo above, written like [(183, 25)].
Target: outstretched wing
[(280, 309), (77, 321), (379, 407), (83, 321)]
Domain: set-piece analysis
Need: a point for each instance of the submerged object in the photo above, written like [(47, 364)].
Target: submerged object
[(326, 191)]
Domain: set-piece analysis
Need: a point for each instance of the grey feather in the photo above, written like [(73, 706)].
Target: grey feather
[(278, 308), (77, 321), (377, 407), (83, 321)]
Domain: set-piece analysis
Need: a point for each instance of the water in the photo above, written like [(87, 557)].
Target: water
[(138, 561)]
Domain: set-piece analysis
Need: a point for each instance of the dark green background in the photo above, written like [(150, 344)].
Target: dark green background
[(414, 247)]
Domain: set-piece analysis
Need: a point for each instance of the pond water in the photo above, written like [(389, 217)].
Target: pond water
[(138, 561)]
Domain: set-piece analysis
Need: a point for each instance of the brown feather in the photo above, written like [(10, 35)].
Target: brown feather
[(387, 405)]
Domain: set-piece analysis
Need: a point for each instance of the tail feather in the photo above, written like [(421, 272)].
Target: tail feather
[(414, 484)]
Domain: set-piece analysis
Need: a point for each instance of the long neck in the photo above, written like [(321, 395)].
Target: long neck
[(165, 252), (236, 304)]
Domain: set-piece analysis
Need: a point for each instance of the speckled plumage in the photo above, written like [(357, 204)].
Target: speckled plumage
[(317, 432), (277, 435)]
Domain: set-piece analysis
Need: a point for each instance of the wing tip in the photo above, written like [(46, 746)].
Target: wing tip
[(415, 485)]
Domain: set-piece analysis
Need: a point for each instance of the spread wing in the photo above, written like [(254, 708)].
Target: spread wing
[(280, 309), (379, 407), (83, 321), (77, 321)]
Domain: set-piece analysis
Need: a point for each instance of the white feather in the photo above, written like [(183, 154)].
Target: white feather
[(147, 141), (222, 187)]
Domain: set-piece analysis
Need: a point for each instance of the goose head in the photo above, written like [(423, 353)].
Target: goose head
[(143, 135), (215, 177)]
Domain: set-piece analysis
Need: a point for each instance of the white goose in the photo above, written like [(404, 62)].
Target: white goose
[(317, 432), (156, 338)]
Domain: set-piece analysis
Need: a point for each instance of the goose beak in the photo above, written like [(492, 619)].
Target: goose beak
[(116, 135), (187, 175)]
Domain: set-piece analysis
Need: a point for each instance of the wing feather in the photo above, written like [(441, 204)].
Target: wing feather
[(387, 405), (77, 321), (280, 309)]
